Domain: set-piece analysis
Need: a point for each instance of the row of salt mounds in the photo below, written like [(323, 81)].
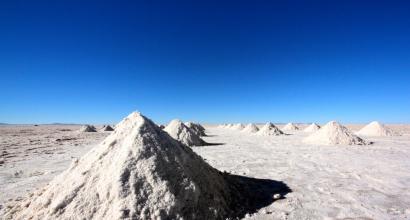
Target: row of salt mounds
[(375, 129), (270, 129), (238, 127), (197, 128), (334, 133), (290, 127), (137, 172), (107, 128), (182, 133), (312, 128), (88, 128), (250, 128)]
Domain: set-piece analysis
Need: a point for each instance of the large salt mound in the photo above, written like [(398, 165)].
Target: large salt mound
[(197, 128), (311, 128), (107, 128), (270, 129), (375, 129), (238, 127), (182, 133), (334, 133), (290, 127), (250, 128), (140, 172), (88, 128)]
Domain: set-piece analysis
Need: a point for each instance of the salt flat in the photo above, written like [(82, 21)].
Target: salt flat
[(327, 182)]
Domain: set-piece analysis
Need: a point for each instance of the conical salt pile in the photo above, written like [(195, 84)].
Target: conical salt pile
[(238, 127), (197, 128), (312, 128), (375, 129), (334, 133), (107, 128), (250, 128), (290, 127), (270, 129), (88, 128), (182, 133), (137, 172)]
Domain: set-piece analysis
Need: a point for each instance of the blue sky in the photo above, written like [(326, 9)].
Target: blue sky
[(208, 61)]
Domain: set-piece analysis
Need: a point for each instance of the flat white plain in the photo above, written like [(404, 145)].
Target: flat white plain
[(370, 181)]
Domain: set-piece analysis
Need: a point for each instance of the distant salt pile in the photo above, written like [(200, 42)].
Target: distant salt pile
[(375, 129), (107, 128), (197, 128), (223, 125), (334, 133), (270, 129), (229, 126), (88, 128), (238, 127), (250, 128), (137, 172), (290, 127), (312, 128), (182, 133)]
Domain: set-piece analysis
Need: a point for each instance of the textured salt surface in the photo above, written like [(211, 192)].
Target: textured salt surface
[(344, 182), (140, 172)]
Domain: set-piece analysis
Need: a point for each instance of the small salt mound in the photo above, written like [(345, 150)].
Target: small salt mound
[(229, 126), (238, 127), (88, 128), (223, 125), (250, 128), (375, 129), (270, 129), (107, 128), (137, 172), (290, 127), (197, 128), (312, 128), (182, 133), (334, 133)]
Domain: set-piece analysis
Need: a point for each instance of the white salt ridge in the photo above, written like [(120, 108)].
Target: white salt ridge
[(334, 133), (137, 172), (250, 128), (312, 128), (290, 127), (197, 128), (238, 127), (88, 128), (270, 129), (375, 129), (182, 133)]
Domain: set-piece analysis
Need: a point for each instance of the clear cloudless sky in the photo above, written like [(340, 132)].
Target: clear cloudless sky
[(208, 61)]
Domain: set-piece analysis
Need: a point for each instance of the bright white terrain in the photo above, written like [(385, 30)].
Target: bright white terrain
[(327, 182)]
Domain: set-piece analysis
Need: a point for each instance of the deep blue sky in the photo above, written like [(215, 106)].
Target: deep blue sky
[(209, 61)]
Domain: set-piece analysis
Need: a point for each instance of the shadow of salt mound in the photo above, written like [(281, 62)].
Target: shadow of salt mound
[(211, 144), (255, 193)]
